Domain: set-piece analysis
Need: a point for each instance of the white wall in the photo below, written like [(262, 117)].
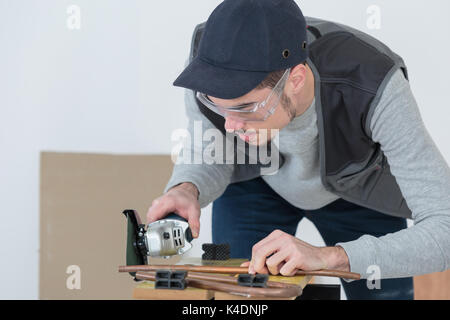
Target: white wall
[(108, 88)]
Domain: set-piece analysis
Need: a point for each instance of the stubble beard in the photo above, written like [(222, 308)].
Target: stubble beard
[(288, 106)]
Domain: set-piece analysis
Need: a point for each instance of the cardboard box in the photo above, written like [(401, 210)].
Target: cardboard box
[(81, 221)]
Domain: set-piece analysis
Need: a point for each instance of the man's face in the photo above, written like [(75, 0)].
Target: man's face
[(257, 132)]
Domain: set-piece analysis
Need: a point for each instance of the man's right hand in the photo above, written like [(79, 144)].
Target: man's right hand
[(181, 199)]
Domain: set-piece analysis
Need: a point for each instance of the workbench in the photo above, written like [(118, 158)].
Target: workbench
[(146, 290)]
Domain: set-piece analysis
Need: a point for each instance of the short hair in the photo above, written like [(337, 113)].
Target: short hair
[(272, 78)]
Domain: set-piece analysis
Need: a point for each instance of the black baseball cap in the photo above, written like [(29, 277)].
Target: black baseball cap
[(243, 41)]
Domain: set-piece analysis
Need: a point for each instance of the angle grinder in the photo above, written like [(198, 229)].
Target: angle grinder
[(163, 238)]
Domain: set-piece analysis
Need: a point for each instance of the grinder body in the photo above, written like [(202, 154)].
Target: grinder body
[(168, 237), (163, 238)]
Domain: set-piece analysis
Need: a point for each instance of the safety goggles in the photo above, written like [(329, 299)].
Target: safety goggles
[(258, 111)]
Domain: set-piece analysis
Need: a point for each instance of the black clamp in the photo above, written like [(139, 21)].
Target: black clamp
[(258, 280), (216, 251), (170, 279)]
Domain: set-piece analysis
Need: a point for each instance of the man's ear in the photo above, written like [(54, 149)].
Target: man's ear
[(297, 78)]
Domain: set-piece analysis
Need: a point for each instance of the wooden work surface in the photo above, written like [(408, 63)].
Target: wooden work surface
[(146, 290)]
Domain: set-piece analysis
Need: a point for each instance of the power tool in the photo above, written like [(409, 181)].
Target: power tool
[(163, 238)]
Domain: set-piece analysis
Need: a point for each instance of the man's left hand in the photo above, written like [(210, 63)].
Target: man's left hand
[(282, 253)]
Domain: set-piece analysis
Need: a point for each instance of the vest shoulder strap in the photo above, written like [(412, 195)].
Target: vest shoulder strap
[(324, 27)]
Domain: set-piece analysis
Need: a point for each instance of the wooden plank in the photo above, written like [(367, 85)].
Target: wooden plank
[(226, 296), (146, 289), (299, 280)]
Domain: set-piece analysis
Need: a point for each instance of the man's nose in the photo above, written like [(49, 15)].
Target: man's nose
[(233, 124)]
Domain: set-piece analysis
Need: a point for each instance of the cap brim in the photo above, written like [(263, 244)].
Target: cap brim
[(218, 82)]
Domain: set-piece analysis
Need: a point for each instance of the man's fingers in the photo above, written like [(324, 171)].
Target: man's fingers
[(272, 236), (194, 223), (163, 206), (289, 268), (245, 264), (259, 257), (192, 215), (160, 208), (264, 270), (274, 263)]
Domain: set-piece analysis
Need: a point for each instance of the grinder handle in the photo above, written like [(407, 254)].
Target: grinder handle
[(188, 232)]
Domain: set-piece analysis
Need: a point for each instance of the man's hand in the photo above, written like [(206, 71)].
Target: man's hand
[(181, 199), (281, 253)]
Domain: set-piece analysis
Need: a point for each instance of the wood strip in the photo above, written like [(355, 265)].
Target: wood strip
[(146, 291), (235, 270), (229, 285)]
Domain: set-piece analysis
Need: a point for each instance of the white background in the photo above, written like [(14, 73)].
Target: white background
[(108, 88)]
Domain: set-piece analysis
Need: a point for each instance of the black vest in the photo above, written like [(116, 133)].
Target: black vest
[(351, 70)]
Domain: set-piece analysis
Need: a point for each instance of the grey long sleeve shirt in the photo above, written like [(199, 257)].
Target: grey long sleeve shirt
[(420, 170)]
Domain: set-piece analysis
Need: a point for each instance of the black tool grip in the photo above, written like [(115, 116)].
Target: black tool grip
[(188, 233)]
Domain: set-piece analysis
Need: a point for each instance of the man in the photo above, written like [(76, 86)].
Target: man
[(357, 159)]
